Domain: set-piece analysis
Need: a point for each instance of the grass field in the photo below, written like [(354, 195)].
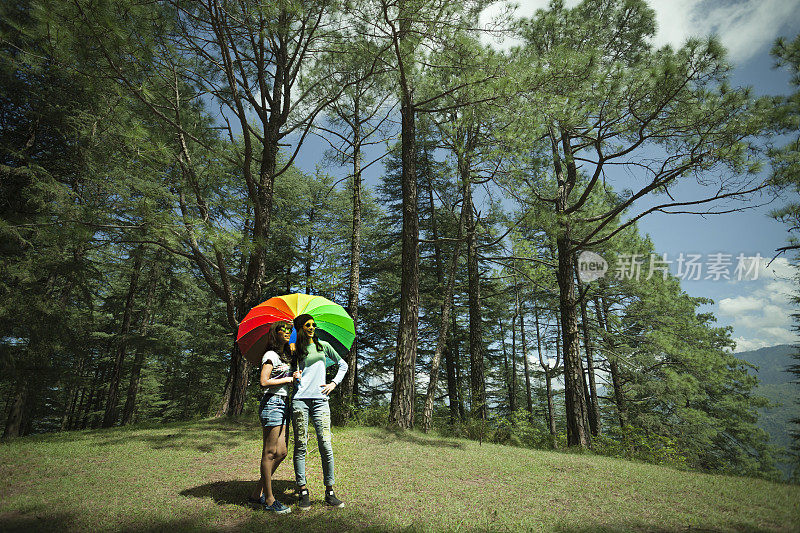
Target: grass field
[(196, 476)]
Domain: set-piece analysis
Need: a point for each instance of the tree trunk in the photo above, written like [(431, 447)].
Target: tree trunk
[(355, 262), (16, 412), (588, 421), (78, 417), (507, 371), (514, 352), (90, 398), (441, 341), (578, 433), (133, 386), (138, 361), (73, 419), (457, 372), (101, 391), (619, 398), (526, 365), (477, 379), (72, 394), (309, 255), (591, 394), (236, 385), (510, 375), (513, 404), (403, 391), (110, 416), (452, 384), (356, 389), (551, 421), (235, 391)]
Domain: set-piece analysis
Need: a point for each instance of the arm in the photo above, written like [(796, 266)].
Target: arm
[(342, 371), (296, 372), (331, 353)]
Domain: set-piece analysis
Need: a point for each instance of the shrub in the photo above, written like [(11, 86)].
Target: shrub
[(515, 430), (634, 443), (376, 415)]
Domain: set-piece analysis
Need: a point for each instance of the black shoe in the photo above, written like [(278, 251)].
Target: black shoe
[(332, 500), (303, 500)]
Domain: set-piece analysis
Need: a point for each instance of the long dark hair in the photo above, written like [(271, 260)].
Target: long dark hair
[(277, 343), (301, 344)]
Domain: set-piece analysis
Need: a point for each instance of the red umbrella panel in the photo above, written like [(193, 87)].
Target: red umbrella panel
[(252, 336)]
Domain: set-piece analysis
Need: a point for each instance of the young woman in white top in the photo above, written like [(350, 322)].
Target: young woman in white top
[(274, 411)]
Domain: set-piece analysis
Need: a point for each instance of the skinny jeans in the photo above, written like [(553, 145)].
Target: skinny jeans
[(319, 412)]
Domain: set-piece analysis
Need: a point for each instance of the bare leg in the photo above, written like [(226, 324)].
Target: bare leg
[(274, 452), (259, 490), (281, 449)]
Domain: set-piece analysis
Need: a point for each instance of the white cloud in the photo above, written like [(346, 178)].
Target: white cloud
[(773, 337), (782, 335), (745, 27), (672, 21), (770, 316), (745, 345), (779, 272), (780, 279), (761, 310), (740, 304), (780, 291), (779, 269)]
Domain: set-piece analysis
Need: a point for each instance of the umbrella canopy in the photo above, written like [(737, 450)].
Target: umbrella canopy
[(334, 325)]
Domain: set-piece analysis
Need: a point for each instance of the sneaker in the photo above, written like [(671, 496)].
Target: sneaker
[(303, 500), (332, 500), (277, 508), (260, 502)]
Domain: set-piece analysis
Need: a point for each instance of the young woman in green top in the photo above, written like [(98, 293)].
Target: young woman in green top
[(310, 402)]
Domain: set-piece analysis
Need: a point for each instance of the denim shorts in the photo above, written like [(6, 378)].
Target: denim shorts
[(274, 410)]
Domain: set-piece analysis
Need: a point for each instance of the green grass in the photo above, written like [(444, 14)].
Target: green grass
[(196, 476)]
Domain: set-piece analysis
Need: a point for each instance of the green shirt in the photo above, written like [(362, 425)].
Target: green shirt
[(313, 367)]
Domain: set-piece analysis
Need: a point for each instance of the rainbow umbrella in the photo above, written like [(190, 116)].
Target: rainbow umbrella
[(334, 325)]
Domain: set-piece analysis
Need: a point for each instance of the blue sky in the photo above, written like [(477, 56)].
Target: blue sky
[(758, 310)]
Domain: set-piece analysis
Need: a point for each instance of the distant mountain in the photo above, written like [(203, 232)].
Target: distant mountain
[(772, 363), (776, 385)]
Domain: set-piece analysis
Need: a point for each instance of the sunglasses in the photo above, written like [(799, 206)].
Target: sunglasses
[(312, 325)]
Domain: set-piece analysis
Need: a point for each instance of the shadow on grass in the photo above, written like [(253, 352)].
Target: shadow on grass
[(414, 438), (201, 440), (318, 519), (202, 435), (236, 492), (296, 522), (34, 521), (311, 522)]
